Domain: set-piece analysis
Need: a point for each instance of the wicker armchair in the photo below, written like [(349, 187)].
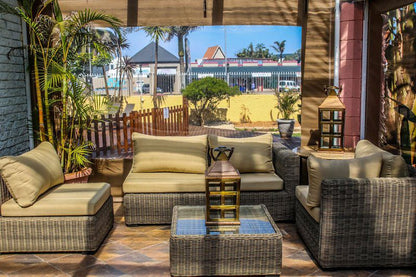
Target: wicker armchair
[(53, 233), (362, 223)]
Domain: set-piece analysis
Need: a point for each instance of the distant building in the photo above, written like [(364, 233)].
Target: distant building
[(214, 52), (245, 72), (215, 57), (167, 67)]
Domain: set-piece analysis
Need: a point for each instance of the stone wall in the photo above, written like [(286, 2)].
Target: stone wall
[(14, 134)]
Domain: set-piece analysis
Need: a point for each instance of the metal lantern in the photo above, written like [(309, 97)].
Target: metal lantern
[(222, 189), (331, 122)]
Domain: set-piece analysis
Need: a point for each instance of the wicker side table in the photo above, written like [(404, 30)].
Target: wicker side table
[(253, 248)]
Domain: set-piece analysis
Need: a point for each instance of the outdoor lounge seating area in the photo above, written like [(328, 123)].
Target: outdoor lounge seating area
[(344, 224), (208, 138)]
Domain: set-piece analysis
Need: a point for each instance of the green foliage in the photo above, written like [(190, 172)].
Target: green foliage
[(280, 48), (205, 94), (57, 51), (295, 56), (260, 51), (286, 102)]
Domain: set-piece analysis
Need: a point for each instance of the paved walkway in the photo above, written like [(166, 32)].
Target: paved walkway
[(144, 251)]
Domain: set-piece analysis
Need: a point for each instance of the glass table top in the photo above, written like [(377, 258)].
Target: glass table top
[(191, 221)]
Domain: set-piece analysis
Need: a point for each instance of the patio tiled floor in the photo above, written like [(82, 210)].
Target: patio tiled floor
[(144, 251)]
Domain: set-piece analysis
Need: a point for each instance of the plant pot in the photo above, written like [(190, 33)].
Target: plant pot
[(286, 127), (78, 177)]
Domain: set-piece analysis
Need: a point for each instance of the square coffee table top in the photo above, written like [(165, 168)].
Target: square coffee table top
[(255, 220)]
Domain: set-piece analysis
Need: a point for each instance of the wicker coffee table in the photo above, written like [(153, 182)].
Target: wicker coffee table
[(253, 248)]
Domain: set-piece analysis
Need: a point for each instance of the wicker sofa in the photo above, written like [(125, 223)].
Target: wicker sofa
[(40, 214), (362, 222), (149, 197)]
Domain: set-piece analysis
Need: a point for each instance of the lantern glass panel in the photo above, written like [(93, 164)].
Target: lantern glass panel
[(325, 115), (326, 128), (325, 142), (338, 115), (214, 186), (215, 199), (215, 214), (230, 200), (336, 143), (229, 214), (337, 129)]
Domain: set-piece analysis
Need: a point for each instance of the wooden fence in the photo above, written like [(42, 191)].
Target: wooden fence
[(111, 134)]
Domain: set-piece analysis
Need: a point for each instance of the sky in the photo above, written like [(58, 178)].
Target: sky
[(238, 37)]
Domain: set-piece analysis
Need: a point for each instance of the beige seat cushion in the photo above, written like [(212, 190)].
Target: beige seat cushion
[(260, 182), (29, 175), (169, 154), (250, 154), (302, 195), (393, 165), (321, 169), (63, 200), (163, 182)]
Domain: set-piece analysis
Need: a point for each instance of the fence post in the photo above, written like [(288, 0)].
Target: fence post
[(154, 121), (185, 115)]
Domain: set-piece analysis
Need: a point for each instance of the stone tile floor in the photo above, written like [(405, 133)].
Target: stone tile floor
[(144, 251)]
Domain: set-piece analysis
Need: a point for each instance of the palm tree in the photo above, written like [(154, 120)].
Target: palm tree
[(180, 32), (260, 50), (107, 45), (69, 35), (279, 47), (157, 33), (127, 69), (248, 52)]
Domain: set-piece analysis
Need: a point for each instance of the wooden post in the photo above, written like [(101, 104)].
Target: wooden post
[(154, 122), (118, 133), (104, 133), (111, 132), (126, 143)]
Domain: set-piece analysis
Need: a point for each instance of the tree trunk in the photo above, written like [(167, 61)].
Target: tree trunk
[(120, 81), (105, 81), (181, 54), (39, 100), (155, 105)]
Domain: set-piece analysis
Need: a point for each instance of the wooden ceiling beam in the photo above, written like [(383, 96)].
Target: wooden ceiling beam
[(191, 12), (132, 12), (218, 12)]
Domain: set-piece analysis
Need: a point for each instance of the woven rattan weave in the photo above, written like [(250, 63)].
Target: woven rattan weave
[(363, 223), (255, 249), (156, 208), (54, 233)]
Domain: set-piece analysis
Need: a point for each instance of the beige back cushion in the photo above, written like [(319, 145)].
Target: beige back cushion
[(169, 154), (29, 175), (393, 165), (250, 154), (321, 169)]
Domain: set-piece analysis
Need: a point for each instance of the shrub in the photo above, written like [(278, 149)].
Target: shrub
[(206, 94)]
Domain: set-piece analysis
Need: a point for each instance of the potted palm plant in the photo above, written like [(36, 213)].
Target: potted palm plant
[(286, 102), (55, 42)]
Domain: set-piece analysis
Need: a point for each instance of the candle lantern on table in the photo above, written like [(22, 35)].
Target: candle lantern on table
[(222, 189), (331, 122)]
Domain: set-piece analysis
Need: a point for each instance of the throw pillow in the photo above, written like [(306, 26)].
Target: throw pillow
[(393, 165), (169, 154), (320, 169), (29, 175), (253, 154)]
